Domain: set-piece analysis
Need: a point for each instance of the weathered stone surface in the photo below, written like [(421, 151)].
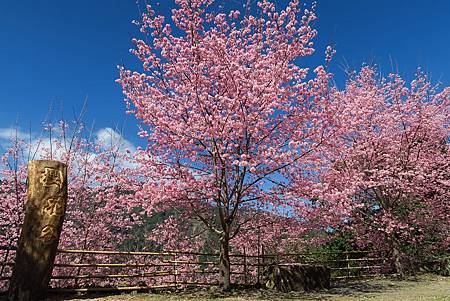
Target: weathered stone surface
[(440, 266), (297, 277), (38, 242)]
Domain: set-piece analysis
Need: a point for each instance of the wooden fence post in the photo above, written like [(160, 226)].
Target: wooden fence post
[(245, 267), (4, 261), (263, 257), (175, 269), (258, 268), (38, 242), (259, 262), (348, 264)]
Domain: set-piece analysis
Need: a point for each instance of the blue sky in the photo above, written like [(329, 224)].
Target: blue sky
[(60, 52)]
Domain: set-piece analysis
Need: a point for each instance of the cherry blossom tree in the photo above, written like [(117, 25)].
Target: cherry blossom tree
[(228, 113), (389, 171)]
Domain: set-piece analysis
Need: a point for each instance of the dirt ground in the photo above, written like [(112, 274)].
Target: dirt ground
[(424, 287)]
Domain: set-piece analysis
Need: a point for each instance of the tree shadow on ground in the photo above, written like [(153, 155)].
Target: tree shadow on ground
[(350, 288), (368, 286), (354, 288)]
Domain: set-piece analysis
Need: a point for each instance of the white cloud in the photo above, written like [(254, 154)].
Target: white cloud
[(105, 137), (11, 133), (8, 135), (40, 146), (109, 137)]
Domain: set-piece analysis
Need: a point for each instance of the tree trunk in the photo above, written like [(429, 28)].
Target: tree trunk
[(224, 264), (397, 260)]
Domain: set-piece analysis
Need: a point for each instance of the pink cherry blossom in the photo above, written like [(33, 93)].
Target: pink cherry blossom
[(228, 114)]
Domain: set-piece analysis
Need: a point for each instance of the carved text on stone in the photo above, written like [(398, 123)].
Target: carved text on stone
[(51, 176)]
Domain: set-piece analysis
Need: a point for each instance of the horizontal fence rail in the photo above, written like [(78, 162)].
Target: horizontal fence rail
[(112, 270)]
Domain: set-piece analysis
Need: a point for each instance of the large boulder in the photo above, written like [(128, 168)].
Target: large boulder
[(297, 277), (440, 266)]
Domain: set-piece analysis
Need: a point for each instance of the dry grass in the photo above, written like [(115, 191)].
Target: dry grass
[(424, 287)]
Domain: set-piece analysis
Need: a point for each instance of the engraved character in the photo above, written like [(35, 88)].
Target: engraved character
[(51, 176), (48, 234), (53, 206)]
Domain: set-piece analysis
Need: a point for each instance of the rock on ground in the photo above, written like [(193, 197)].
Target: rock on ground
[(297, 277)]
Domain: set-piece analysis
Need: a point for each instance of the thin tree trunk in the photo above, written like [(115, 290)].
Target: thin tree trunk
[(397, 260), (224, 264)]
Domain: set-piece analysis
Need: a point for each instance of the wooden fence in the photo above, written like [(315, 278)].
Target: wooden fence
[(101, 270)]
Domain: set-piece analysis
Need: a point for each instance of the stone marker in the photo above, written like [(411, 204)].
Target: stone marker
[(38, 242)]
